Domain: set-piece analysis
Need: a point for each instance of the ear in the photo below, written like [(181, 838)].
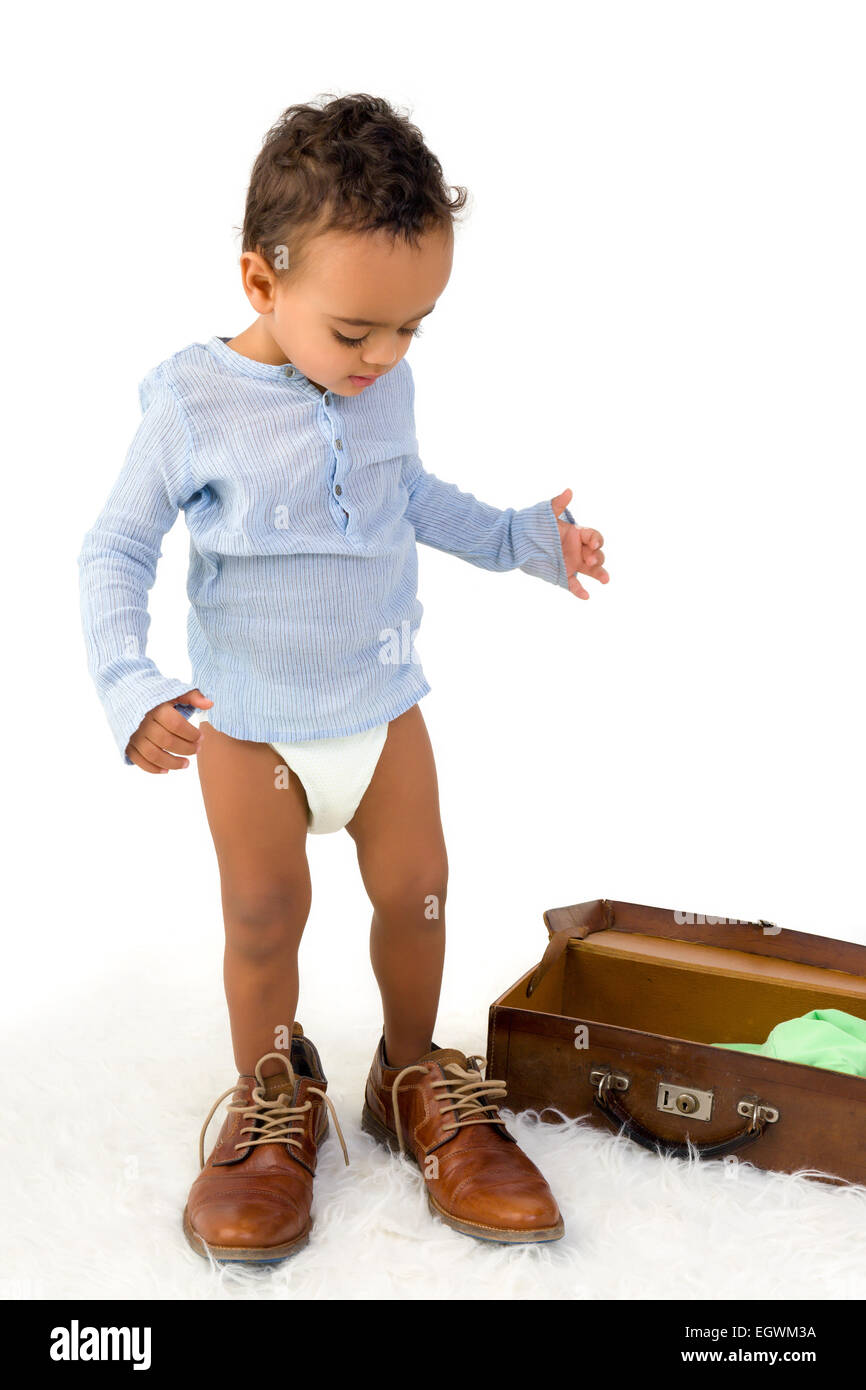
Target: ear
[(259, 281)]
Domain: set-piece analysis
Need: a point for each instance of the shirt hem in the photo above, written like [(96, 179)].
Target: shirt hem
[(306, 734)]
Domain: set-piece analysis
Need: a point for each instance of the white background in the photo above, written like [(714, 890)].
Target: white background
[(657, 300)]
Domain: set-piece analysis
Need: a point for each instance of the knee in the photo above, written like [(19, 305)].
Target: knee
[(263, 921), (419, 892)]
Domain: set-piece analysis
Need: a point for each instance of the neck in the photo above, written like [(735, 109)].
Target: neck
[(256, 342)]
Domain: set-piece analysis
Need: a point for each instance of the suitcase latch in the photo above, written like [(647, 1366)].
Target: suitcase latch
[(679, 1100), (606, 1080), (753, 1110)]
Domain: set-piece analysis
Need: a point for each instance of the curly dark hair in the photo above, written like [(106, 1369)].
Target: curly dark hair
[(352, 163)]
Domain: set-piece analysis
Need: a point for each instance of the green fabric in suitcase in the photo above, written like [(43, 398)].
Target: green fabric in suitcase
[(823, 1038)]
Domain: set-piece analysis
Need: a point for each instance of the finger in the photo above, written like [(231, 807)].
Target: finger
[(561, 502), (135, 757), (155, 754), (195, 697), (593, 558), (590, 537), (164, 731), (186, 745), (172, 724), (576, 587), (601, 575)]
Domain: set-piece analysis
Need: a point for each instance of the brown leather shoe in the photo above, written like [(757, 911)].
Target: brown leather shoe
[(251, 1201), (443, 1115)]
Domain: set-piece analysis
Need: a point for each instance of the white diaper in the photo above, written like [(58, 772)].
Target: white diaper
[(335, 773)]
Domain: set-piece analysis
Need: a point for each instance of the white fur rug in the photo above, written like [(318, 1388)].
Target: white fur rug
[(103, 1110)]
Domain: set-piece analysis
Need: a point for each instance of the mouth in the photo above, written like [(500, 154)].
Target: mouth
[(365, 380)]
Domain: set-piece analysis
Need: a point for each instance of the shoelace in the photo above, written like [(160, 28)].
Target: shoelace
[(468, 1097), (272, 1121)]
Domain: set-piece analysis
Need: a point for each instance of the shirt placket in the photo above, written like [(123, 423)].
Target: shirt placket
[(330, 424), (338, 461)]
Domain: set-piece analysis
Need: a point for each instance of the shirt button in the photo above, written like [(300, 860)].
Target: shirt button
[(338, 490), (327, 399), (338, 443), (290, 371)]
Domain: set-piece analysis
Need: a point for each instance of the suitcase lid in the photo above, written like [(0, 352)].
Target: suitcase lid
[(761, 938)]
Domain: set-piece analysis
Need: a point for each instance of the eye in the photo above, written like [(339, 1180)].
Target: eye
[(356, 342), (349, 342)]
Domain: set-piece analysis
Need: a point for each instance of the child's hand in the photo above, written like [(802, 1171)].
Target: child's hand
[(164, 732), (581, 548)]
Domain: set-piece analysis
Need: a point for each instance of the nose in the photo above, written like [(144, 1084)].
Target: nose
[(379, 366), (382, 362)]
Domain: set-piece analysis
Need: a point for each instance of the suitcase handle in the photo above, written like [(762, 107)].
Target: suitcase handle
[(606, 1100)]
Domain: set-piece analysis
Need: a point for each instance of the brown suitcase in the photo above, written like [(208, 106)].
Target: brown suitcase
[(617, 1020)]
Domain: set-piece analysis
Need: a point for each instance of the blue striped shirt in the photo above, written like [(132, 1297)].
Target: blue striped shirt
[(303, 510)]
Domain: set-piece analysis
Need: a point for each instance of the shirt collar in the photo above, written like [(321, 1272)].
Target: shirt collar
[(248, 366)]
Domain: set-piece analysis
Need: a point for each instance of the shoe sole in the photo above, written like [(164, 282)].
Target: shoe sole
[(496, 1235), (250, 1255)]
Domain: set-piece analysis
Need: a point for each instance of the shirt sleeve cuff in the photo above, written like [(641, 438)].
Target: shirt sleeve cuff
[(538, 542), (132, 698)]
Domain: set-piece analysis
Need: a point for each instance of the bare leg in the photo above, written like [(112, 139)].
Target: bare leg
[(259, 829), (404, 866)]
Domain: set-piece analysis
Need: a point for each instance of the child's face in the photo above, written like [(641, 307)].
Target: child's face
[(386, 287)]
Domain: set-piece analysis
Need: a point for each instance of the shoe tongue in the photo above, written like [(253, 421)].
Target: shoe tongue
[(278, 1083), (443, 1055)]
